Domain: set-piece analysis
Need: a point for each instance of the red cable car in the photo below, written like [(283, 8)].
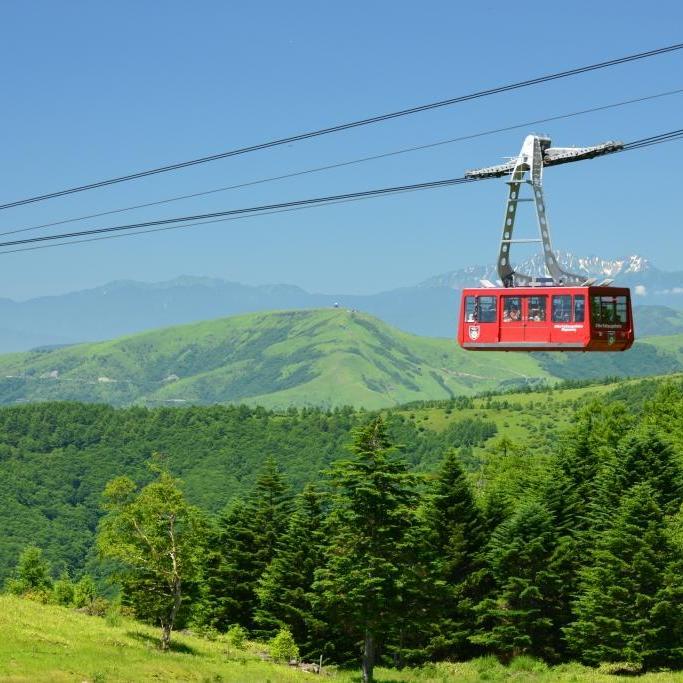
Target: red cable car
[(546, 319), (562, 312)]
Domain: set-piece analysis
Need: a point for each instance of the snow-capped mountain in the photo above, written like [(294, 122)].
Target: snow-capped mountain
[(631, 267)]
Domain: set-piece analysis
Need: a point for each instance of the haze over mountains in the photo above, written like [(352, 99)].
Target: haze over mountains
[(428, 308)]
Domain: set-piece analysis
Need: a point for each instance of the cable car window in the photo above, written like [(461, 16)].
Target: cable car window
[(562, 308), (512, 309), (536, 308), (579, 308), (471, 314), (621, 310), (487, 309), (609, 310)]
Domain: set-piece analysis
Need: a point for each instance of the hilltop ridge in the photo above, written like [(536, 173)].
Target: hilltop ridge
[(428, 308), (323, 357)]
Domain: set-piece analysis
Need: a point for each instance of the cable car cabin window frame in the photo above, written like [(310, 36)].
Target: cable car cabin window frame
[(537, 303), (609, 311), (490, 313), (481, 309), (512, 309), (563, 312), (579, 308), (471, 310)]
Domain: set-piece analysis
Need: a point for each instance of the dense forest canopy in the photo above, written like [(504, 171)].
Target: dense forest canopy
[(55, 458), (433, 532)]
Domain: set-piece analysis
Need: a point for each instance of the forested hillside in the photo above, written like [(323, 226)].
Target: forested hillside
[(55, 458), (512, 524), (323, 358)]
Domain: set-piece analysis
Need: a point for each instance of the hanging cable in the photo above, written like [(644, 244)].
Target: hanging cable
[(234, 212), (347, 126), (205, 219), (654, 140), (342, 164), (188, 225)]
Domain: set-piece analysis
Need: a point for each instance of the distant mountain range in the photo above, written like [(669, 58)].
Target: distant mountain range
[(629, 271), (429, 308), (325, 358)]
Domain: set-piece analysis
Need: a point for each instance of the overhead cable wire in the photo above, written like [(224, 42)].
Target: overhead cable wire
[(188, 225), (234, 214), (342, 164), (654, 140), (352, 124)]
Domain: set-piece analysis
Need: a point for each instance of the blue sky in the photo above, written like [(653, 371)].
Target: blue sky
[(94, 90)]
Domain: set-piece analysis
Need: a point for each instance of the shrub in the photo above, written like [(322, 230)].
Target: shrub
[(41, 595), (282, 647), (113, 616), (85, 592), (98, 607), (620, 668), (236, 636), (527, 663), (31, 575), (63, 591)]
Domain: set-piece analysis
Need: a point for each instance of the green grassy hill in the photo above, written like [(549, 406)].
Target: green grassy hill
[(49, 644), (297, 358)]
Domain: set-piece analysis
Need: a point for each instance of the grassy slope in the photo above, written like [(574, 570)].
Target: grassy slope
[(45, 643), (324, 358), (533, 420), (658, 320), (672, 344), (329, 357)]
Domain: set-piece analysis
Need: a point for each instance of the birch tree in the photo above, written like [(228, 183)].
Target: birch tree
[(155, 536)]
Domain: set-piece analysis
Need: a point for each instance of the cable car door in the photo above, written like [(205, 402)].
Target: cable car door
[(512, 320), (536, 319)]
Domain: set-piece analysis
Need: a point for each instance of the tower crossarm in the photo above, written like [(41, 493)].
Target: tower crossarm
[(552, 156), (527, 169)]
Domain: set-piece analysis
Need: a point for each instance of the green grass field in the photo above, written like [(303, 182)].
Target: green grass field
[(41, 643)]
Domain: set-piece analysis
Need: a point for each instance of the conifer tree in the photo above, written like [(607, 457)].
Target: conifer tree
[(629, 607), (367, 559), (567, 494), (665, 412), (456, 535), (269, 507), (641, 456), (570, 485), (645, 457), (285, 588), (518, 616), (228, 590), (247, 539), (508, 472)]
